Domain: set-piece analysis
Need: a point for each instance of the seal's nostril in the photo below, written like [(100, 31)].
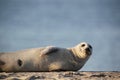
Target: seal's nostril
[(87, 49), (90, 46), (82, 45)]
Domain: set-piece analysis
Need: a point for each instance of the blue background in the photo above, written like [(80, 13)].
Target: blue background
[(64, 23)]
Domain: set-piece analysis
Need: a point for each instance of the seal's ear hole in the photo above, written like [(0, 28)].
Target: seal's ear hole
[(19, 62)]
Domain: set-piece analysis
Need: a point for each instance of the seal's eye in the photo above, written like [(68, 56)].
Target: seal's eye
[(82, 45)]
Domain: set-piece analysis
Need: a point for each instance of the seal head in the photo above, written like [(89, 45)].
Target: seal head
[(82, 50)]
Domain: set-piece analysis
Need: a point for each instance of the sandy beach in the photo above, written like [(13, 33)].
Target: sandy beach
[(92, 75)]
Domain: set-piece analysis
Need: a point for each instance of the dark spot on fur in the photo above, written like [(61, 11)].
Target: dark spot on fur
[(19, 62), (2, 63)]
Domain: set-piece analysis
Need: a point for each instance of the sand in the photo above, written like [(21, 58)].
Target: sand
[(68, 75)]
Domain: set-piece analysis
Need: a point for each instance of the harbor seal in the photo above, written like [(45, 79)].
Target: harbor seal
[(48, 58)]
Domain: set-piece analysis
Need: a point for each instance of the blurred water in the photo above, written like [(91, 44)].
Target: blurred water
[(64, 23)]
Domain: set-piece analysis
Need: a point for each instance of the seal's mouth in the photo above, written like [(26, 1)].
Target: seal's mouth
[(88, 51)]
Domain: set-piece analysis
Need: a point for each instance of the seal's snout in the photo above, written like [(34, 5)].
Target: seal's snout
[(88, 51), (87, 47)]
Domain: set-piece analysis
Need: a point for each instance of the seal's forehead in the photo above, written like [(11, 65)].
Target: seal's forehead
[(83, 43)]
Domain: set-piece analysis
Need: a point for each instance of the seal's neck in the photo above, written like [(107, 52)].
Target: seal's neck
[(78, 55)]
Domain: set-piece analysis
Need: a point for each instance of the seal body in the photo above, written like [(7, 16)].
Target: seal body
[(46, 59)]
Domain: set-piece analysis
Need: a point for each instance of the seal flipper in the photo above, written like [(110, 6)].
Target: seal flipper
[(49, 50)]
